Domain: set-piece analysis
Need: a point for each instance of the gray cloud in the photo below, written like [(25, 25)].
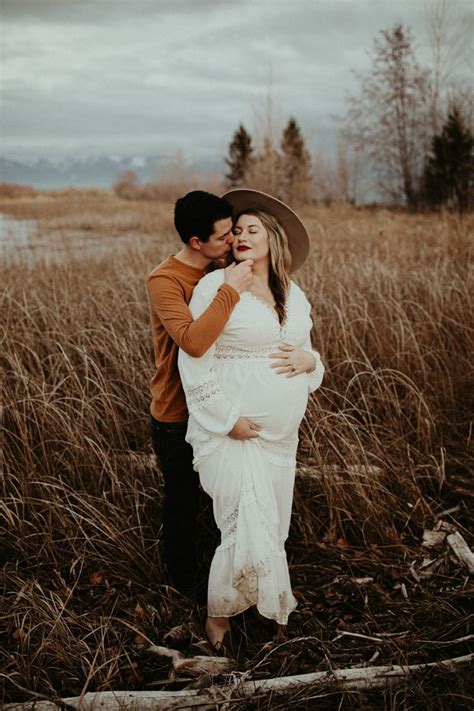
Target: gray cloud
[(89, 12), (156, 75)]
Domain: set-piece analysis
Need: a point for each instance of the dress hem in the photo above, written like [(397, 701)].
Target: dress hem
[(254, 604)]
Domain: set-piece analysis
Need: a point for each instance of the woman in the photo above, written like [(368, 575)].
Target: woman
[(251, 480)]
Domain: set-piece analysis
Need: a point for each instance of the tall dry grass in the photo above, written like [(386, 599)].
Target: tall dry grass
[(388, 432), (393, 312)]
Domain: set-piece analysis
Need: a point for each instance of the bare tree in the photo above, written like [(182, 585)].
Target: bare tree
[(174, 178), (387, 120), (127, 186), (323, 189), (348, 171), (264, 170), (338, 177), (449, 35)]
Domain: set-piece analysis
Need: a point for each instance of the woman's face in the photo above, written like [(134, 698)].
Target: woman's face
[(250, 239)]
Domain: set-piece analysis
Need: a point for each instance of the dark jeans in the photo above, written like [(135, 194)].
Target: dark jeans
[(175, 459)]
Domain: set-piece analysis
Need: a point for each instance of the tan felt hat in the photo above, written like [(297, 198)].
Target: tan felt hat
[(243, 199)]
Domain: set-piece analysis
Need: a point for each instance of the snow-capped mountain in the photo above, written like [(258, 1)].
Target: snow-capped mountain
[(100, 171)]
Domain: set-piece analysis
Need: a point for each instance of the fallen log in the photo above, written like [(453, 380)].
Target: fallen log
[(352, 679), (334, 472), (194, 666)]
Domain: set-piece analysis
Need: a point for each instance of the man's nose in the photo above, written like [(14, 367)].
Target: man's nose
[(230, 239)]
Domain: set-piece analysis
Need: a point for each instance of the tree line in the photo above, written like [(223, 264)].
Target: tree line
[(391, 127), (283, 170), (406, 137)]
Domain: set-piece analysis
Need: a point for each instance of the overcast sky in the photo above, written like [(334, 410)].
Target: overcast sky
[(146, 77)]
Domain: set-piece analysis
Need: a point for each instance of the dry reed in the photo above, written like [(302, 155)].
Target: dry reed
[(388, 432)]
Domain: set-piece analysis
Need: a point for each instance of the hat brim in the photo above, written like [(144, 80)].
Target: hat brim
[(243, 199)]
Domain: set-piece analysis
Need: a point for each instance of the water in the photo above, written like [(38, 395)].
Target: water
[(22, 243), (16, 234)]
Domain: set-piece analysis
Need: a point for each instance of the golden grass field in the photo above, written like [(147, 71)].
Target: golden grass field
[(387, 441)]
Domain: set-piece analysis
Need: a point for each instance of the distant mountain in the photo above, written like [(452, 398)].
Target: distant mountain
[(100, 172)]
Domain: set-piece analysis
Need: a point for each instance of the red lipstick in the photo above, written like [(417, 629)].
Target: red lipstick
[(242, 248)]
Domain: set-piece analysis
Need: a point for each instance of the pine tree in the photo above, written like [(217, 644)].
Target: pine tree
[(240, 157), (295, 165), (449, 171)]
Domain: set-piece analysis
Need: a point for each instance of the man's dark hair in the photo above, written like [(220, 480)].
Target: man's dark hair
[(196, 213)]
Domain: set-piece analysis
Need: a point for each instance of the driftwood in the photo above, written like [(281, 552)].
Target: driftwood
[(431, 539), (353, 679), (330, 471), (194, 666), (461, 550), (382, 638)]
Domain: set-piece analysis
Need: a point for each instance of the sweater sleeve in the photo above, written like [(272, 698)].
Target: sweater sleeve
[(194, 336), (205, 400)]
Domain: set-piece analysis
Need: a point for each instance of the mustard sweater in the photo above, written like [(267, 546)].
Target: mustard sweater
[(170, 286)]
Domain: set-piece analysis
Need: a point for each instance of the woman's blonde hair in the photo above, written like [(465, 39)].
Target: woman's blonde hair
[(280, 258)]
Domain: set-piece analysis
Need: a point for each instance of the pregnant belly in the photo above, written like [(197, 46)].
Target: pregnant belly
[(275, 402)]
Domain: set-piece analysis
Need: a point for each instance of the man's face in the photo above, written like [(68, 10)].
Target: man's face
[(220, 241)]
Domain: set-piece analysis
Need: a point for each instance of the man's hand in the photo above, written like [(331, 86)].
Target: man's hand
[(244, 429), (293, 361), (240, 276)]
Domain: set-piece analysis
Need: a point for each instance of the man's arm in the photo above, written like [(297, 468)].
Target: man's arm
[(194, 337)]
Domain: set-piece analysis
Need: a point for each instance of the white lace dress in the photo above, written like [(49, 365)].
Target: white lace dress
[(250, 482)]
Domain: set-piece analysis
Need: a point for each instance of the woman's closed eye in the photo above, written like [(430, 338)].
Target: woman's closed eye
[(237, 231)]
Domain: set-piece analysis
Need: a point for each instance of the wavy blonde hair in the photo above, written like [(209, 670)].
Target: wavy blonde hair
[(280, 258)]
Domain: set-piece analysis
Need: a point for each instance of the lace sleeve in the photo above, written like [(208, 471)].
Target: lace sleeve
[(206, 401), (316, 377)]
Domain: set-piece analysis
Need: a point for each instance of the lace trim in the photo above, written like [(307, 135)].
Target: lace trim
[(229, 522), (203, 444), (281, 452), (228, 527), (236, 353), (271, 309), (201, 395)]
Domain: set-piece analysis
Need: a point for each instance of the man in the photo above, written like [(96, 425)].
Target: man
[(204, 224)]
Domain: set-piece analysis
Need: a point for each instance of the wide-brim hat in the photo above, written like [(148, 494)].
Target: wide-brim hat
[(243, 199)]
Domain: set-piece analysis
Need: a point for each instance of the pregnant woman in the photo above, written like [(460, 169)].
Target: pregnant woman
[(251, 480)]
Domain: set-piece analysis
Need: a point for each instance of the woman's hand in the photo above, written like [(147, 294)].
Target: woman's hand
[(244, 429), (293, 361)]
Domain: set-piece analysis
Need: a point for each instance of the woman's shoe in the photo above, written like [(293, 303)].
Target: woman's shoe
[(216, 634)]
